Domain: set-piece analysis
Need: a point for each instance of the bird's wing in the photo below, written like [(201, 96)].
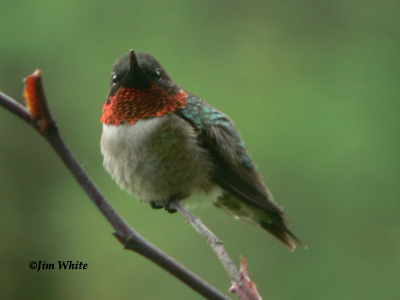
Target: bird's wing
[(235, 171)]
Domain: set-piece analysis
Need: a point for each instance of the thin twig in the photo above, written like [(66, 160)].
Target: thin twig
[(17, 109), (46, 125), (242, 289)]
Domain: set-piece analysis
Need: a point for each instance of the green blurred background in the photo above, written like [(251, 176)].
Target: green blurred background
[(313, 86)]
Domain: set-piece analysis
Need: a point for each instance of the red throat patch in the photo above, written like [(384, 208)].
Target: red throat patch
[(130, 105)]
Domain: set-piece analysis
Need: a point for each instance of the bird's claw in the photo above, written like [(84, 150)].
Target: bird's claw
[(172, 198), (167, 203), (155, 206), (168, 208)]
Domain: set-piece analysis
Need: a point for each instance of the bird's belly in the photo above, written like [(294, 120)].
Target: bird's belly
[(156, 158)]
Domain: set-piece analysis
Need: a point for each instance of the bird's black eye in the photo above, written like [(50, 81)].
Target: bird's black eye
[(114, 79), (157, 74)]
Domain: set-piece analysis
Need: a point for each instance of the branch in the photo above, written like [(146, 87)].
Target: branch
[(40, 118), (241, 283)]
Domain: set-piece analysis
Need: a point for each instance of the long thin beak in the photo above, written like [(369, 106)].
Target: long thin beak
[(133, 62)]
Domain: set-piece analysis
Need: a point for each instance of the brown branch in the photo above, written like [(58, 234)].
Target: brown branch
[(40, 118), (17, 109), (241, 283), (247, 290)]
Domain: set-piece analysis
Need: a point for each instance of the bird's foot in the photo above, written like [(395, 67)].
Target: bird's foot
[(167, 207), (155, 206), (172, 198)]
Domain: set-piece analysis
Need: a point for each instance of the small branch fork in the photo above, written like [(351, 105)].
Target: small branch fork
[(39, 116), (241, 283)]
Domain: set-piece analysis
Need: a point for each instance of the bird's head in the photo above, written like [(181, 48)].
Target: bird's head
[(140, 88)]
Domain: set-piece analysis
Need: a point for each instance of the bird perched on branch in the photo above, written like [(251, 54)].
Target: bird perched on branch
[(163, 143)]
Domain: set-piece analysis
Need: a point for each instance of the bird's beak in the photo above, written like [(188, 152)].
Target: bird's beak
[(133, 62)]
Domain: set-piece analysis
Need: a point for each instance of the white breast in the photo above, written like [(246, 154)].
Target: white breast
[(156, 158)]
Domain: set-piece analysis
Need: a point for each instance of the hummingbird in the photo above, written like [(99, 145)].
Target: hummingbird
[(163, 144)]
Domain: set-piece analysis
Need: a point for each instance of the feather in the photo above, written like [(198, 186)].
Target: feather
[(234, 169)]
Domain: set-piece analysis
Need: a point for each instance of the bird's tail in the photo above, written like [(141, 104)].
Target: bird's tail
[(273, 222), (279, 230)]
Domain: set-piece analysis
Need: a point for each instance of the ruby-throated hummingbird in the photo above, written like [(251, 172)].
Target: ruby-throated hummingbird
[(162, 143)]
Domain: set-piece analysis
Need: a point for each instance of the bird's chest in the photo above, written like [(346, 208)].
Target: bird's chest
[(155, 158)]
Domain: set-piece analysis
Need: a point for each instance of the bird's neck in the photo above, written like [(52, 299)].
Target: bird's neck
[(132, 104)]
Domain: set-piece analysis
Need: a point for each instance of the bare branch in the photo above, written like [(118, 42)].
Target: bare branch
[(248, 289), (41, 119), (17, 109), (241, 283)]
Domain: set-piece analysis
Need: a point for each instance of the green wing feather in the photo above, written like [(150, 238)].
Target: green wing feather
[(235, 171)]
